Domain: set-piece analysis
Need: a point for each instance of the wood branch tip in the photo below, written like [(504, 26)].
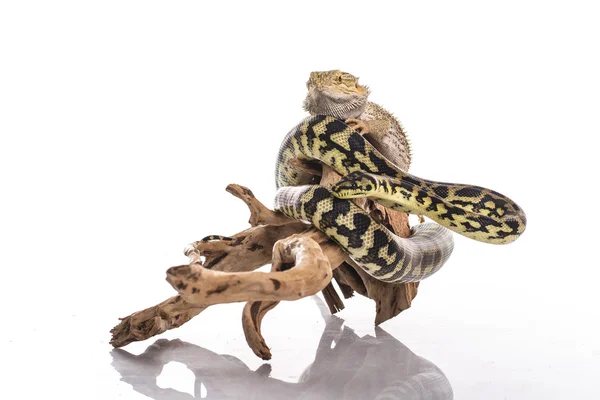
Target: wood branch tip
[(239, 190)]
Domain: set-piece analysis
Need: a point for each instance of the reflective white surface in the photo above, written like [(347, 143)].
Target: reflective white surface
[(122, 122), (345, 365), (462, 342)]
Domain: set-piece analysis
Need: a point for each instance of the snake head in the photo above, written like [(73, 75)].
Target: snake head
[(356, 184)]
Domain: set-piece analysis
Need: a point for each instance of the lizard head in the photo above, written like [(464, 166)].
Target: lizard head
[(335, 93)]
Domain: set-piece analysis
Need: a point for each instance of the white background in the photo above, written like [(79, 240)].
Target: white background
[(122, 122)]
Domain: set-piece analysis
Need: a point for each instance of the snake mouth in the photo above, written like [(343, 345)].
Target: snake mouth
[(349, 193), (354, 185), (352, 190)]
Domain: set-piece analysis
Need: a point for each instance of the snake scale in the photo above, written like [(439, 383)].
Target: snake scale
[(478, 213)]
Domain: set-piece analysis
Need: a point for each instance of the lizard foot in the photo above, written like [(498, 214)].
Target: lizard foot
[(358, 125)]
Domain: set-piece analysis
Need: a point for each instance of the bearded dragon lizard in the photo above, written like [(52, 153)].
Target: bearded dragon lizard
[(338, 94)]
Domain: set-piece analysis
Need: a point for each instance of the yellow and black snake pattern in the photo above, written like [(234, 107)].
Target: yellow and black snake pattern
[(479, 213)]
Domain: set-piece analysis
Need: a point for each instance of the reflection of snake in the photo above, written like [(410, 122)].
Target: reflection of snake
[(472, 211)]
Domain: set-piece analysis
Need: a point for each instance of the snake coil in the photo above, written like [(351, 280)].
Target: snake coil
[(476, 212)]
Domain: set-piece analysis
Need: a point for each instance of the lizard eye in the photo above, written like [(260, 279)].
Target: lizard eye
[(339, 79)]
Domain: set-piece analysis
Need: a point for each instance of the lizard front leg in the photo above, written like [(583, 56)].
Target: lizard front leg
[(375, 127)]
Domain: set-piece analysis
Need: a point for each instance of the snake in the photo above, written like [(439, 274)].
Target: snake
[(472, 211)]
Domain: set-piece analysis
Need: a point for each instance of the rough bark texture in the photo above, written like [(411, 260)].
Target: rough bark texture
[(310, 273), (141, 325), (304, 261)]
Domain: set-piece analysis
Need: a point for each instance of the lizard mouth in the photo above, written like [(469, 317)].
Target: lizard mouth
[(338, 105)]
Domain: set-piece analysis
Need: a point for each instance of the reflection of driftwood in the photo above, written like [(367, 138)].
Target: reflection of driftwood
[(355, 367), (303, 262)]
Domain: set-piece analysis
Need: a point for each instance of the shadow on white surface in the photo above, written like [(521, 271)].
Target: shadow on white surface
[(345, 366)]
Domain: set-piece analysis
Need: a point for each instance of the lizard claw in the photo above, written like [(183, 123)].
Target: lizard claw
[(358, 125)]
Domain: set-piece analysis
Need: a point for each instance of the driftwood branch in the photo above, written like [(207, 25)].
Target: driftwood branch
[(310, 168), (254, 311), (300, 269), (217, 266), (304, 261), (141, 325), (259, 213)]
